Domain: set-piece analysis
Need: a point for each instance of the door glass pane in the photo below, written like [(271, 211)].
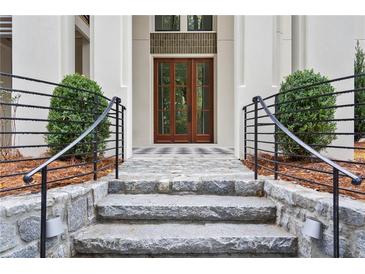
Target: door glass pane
[(202, 74), (203, 122), (181, 122), (164, 122), (202, 98), (164, 98), (181, 72), (200, 22), (164, 74), (181, 100), (181, 110), (167, 23)]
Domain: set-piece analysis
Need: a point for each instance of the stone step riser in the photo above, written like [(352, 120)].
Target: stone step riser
[(164, 207), (172, 239), (215, 187), (253, 215), (189, 246), (205, 255)]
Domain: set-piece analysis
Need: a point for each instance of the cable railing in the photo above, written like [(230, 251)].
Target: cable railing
[(28, 163), (321, 165)]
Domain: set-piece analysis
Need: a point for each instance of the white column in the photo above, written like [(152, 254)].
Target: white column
[(239, 82), (67, 44), (224, 81), (127, 80), (298, 42), (142, 81), (111, 62), (253, 61)]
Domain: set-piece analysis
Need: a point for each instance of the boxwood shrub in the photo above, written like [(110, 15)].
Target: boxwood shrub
[(72, 113), (294, 112)]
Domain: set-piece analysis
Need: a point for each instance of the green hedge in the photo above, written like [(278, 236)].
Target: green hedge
[(82, 105), (299, 121)]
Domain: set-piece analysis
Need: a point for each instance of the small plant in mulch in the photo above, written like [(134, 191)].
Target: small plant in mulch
[(8, 140), (306, 111)]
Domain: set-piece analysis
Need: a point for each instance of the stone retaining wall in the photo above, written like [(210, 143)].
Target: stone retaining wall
[(295, 203), (20, 219)]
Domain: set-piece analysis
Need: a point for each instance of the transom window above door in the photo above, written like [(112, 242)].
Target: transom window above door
[(183, 23), (200, 22), (167, 23)]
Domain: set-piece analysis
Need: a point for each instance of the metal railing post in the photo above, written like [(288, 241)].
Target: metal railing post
[(43, 213), (123, 133), (245, 133), (255, 138), (117, 138), (95, 139), (276, 164), (336, 232)]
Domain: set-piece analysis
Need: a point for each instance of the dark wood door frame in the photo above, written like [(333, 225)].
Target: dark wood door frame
[(192, 136)]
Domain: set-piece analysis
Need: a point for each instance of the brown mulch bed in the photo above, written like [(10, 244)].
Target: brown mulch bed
[(360, 153), (288, 169), (106, 166)]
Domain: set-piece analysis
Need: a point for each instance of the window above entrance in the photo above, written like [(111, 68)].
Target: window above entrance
[(167, 23), (184, 23), (200, 22)]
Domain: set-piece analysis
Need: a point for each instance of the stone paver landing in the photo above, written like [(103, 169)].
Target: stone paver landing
[(209, 161)]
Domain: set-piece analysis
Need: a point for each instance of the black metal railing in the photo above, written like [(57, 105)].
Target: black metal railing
[(265, 154), (20, 172)]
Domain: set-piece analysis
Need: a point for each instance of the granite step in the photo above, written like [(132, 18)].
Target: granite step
[(164, 207), (241, 184), (168, 239)]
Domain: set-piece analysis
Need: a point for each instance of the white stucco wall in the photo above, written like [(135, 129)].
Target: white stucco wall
[(329, 48), (267, 48), (258, 66), (111, 63), (43, 47)]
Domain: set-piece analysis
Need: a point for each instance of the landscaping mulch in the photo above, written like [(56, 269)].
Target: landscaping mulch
[(107, 166), (287, 168), (360, 153)]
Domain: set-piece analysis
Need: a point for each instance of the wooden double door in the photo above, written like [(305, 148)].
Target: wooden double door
[(183, 100)]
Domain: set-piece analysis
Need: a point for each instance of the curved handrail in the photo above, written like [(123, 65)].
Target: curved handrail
[(356, 180), (28, 177)]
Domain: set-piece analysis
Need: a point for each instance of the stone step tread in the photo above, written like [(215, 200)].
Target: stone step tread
[(178, 175), (166, 200), (174, 238), (186, 208), (212, 184)]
